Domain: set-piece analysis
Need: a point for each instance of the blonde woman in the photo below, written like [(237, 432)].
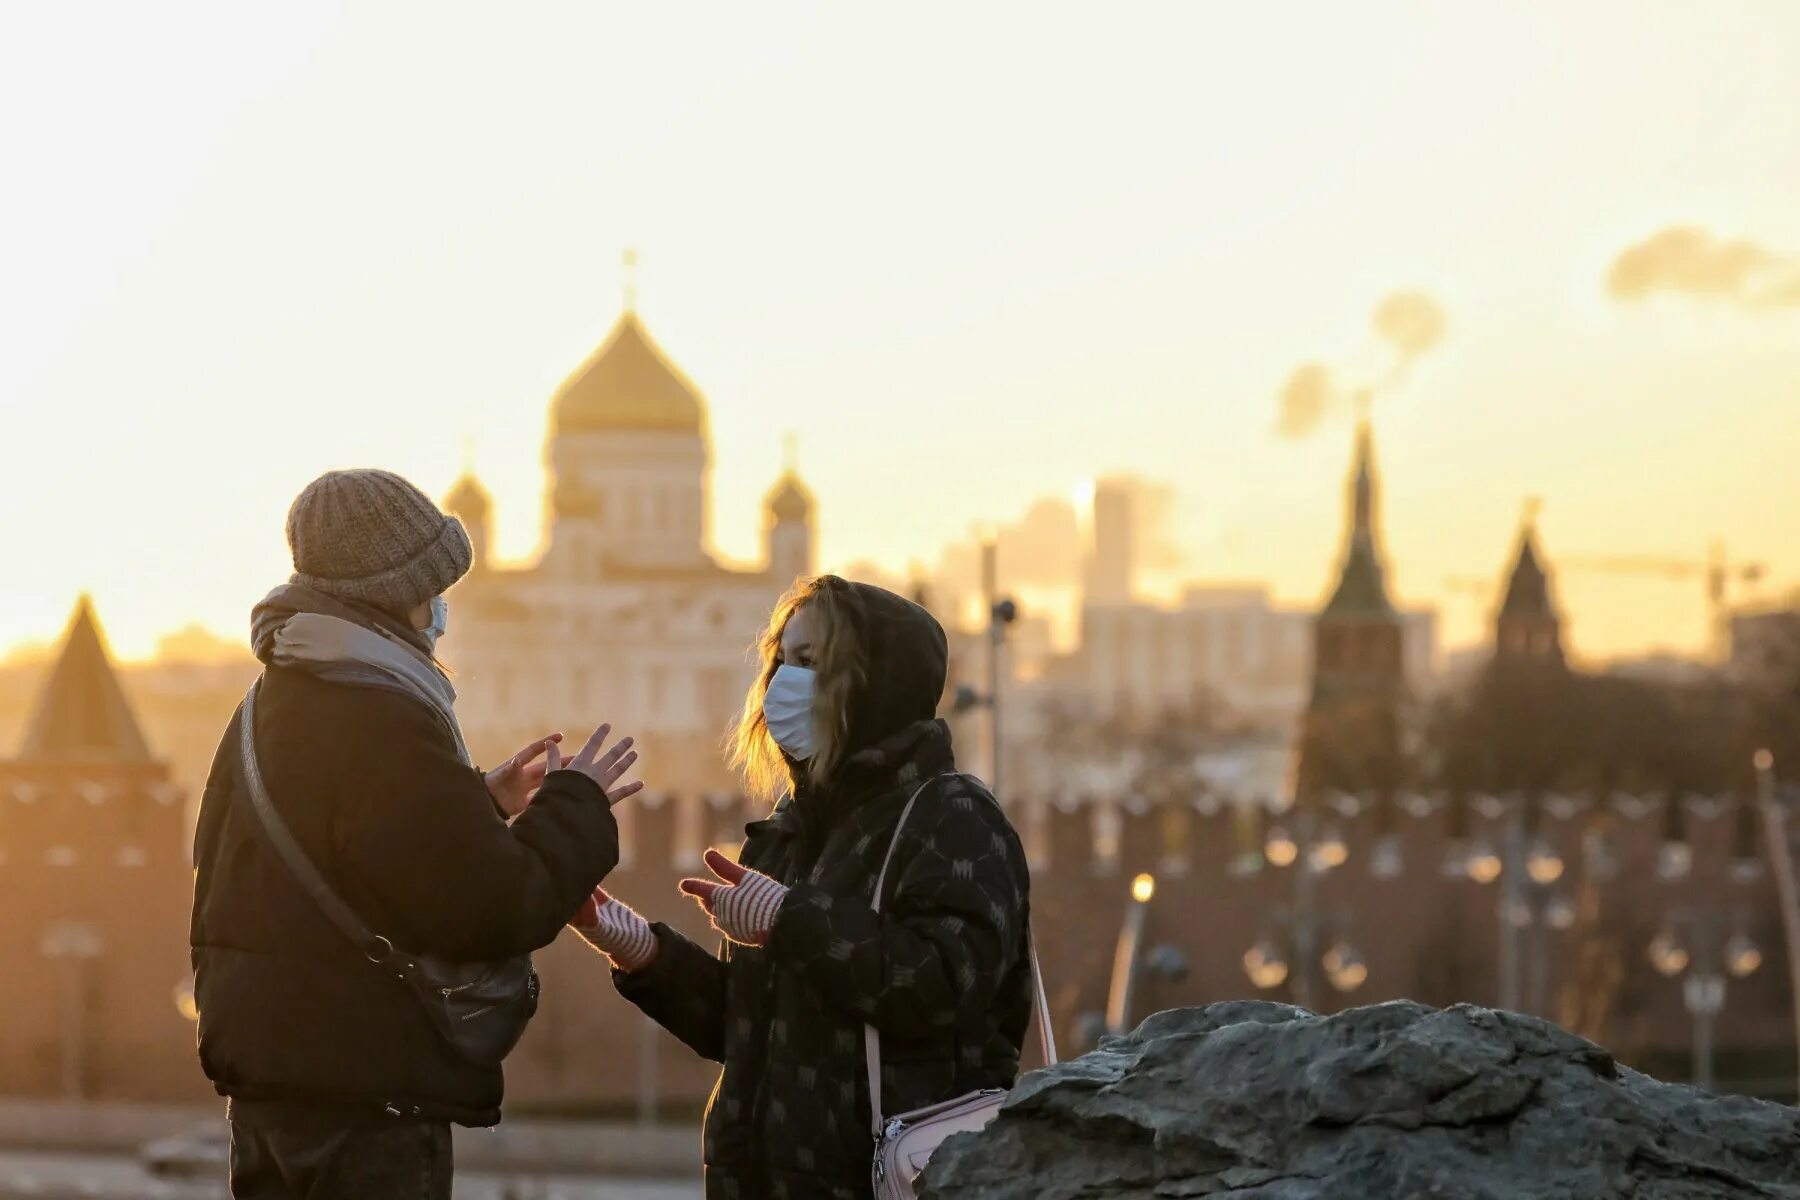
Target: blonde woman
[(841, 725)]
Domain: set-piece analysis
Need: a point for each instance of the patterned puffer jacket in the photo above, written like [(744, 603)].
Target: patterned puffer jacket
[(942, 971)]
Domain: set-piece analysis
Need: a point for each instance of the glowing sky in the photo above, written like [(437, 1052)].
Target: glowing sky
[(971, 254)]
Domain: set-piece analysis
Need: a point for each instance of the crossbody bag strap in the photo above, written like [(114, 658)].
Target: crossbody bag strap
[(872, 1038), (280, 839)]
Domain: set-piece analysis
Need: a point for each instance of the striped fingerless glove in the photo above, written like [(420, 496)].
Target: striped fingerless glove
[(742, 903), (616, 930)]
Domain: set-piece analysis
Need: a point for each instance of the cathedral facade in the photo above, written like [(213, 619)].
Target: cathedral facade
[(627, 615)]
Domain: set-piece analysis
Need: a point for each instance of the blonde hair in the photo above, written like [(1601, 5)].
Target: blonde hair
[(838, 665)]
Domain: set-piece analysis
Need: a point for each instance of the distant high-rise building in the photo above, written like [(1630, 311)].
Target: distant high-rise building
[(1112, 569), (95, 880)]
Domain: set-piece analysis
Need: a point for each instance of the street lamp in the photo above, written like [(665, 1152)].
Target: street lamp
[(1331, 850), (1267, 964), (1543, 864), (1344, 967), (1781, 859), (1706, 964), (1742, 956), (1281, 849), (1313, 851), (1484, 864), (1125, 955), (1386, 859), (1559, 913)]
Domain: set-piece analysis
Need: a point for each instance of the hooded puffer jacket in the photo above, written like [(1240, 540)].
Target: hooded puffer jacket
[(942, 971)]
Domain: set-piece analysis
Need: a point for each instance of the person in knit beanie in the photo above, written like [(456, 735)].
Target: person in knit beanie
[(370, 536), (342, 1085)]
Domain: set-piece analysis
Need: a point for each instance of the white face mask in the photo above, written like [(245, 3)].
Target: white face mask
[(787, 707), (440, 621)]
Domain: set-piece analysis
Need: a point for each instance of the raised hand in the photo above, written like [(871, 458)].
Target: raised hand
[(604, 768), (513, 781), (742, 903), (616, 930)]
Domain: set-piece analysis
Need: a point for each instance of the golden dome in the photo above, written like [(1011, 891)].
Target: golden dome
[(789, 499), (469, 500), (627, 384)]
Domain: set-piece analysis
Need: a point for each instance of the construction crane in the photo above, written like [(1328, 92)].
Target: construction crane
[(1718, 571)]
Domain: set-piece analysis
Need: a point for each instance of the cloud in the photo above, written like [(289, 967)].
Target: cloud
[(1305, 399), (1412, 323), (1691, 261), (1408, 325)]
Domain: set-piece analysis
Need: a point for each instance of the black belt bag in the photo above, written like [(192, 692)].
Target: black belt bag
[(480, 1009)]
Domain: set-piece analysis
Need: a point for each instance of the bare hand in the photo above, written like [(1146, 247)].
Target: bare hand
[(605, 768), (512, 783)]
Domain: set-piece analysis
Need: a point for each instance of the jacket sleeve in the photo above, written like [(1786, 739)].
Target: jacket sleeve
[(683, 990), (941, 944), (426, 837)]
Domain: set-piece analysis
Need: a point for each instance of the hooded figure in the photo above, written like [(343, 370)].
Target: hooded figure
[(942, 971)]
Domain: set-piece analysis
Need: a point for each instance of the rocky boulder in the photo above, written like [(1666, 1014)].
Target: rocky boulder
[(1259, 1101)]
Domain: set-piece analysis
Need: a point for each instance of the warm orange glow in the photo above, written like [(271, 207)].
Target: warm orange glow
[(1532, 316)]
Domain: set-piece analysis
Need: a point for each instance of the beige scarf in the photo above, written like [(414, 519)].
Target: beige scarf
[(334, 648)]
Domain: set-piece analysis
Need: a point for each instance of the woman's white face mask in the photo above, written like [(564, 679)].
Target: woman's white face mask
[(788, 710)]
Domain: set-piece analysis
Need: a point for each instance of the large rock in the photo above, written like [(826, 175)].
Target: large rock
[(1260, 1101)]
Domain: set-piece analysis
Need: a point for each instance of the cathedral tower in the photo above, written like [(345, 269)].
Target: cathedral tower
[(788, 528), (629, 462)]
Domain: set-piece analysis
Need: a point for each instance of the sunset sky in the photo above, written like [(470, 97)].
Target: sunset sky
[(970, 254)]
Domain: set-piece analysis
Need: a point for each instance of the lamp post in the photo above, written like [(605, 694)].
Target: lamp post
[(1125, 955), (74, 945), (1706, 958), (1002, 611), (1312, 848), (1268, 966), (1781, 858), (1528, 865)]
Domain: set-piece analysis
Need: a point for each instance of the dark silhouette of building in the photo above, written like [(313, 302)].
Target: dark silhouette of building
[(95, 882), (1351, 734), (1527, 628)]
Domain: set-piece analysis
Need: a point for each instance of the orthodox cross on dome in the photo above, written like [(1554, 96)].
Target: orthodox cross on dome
[(790, 453), (629, 260)]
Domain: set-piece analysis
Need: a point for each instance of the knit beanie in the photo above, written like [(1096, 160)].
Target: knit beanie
[(372, 536)]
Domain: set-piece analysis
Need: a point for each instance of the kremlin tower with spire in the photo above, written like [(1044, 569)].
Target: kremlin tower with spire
[(1350, 738), (94, 881)]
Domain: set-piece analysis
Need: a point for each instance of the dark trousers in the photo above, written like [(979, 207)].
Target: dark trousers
[(299, 1155)]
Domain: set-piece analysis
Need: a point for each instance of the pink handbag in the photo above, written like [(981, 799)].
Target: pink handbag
[(905, 1143)]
